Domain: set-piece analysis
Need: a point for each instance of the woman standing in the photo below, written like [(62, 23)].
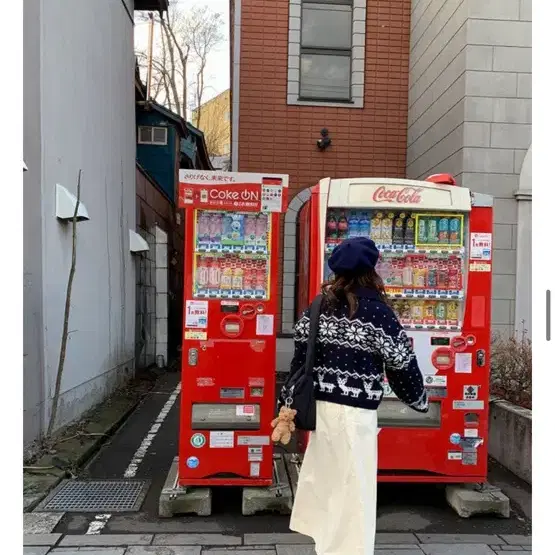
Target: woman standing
[(360, 342)]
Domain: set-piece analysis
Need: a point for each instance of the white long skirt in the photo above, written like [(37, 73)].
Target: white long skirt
[(336, 494)]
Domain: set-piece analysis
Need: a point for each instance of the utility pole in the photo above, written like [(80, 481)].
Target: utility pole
[(150, 40)]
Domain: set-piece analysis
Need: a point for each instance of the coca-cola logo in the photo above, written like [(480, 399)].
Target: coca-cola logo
[(234, 195), (407, 195)]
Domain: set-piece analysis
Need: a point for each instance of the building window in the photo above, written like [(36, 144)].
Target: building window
[(153, 135), (326, 52), (326, 42)]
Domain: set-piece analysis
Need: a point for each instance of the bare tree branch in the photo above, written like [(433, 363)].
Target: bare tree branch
[(169, 47), (205, 33), (67, 310), (186, 40)]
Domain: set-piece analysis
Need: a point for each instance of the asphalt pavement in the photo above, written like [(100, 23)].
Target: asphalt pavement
[(419, 508)]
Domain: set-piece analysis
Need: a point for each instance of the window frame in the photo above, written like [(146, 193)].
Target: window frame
[(323, 51), (152, 141)]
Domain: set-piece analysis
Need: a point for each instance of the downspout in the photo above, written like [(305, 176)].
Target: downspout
[(236, 61)]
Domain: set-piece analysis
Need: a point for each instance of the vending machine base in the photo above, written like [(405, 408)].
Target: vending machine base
[(277, 498), (472, 499), (179, 500)]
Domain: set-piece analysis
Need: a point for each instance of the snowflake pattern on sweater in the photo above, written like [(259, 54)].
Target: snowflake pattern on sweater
[(354, 355)]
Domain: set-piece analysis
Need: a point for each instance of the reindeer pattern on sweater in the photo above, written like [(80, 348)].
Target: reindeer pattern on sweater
[(355, 355)]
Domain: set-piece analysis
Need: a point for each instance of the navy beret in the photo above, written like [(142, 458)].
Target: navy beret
[(354, 256)]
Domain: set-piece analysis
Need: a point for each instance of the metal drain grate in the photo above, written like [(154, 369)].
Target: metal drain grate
[(91, 496)]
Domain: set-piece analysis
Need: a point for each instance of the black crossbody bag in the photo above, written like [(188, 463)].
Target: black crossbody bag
[(298, 391)]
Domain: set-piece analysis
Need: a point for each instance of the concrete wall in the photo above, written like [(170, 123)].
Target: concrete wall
[(470, 112), (510, 438), (87, 121), (33, 363)]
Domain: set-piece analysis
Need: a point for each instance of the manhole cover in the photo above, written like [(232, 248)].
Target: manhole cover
[(91, 496)]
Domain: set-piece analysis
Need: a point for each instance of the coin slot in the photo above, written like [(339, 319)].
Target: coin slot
[(248, 311), (458, 343)]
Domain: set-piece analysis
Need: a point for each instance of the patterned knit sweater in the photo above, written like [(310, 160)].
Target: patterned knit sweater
[(353, 353)]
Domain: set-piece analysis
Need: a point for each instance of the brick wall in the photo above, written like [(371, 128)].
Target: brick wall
[(281, 138)]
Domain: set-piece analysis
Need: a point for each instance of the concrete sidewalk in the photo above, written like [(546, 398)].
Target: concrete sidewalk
[(266, 544)]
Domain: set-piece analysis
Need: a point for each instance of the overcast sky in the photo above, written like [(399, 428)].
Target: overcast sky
[(217, 69)]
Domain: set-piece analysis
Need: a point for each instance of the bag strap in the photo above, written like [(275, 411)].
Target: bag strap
[(315, 308)]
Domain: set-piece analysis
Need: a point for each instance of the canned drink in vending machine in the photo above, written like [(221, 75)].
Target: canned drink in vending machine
[(422, 232), (455, 231), (443, 231), (433, 237)]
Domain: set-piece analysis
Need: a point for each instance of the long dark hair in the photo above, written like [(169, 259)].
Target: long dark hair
[(343, 288)]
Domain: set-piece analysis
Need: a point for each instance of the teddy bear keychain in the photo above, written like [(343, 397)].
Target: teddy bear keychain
[(284, 425)]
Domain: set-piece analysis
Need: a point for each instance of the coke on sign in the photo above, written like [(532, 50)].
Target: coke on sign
[(407, 195)]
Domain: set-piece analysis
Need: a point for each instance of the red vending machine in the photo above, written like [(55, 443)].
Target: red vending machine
[(229, 336), (435, 241)]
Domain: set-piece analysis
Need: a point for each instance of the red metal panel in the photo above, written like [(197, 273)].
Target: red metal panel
[(424, 453), (430, 454), (244, 361)]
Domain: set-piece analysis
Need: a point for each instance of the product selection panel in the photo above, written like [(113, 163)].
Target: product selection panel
[(421, 262)]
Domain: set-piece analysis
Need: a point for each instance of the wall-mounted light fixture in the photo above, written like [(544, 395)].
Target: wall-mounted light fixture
[(324, 142), (137, 243), (65, 206)]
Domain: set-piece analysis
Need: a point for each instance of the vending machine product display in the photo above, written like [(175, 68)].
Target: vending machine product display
[(229, 336), (435, 241)]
